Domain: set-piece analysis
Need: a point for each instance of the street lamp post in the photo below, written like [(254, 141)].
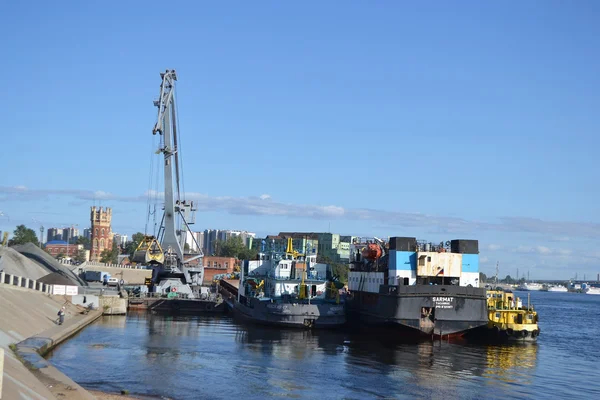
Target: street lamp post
[(41, 235)]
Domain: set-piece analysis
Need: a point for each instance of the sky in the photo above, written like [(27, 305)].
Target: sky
[(438, 121)]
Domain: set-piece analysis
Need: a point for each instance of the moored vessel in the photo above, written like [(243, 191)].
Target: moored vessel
[(286, 288), (421, 289), (557, 288), (529, 287), (592, 290), (509, 320)]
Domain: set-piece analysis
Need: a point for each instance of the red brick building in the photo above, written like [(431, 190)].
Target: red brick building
[(217, 265), (101, 232), (56, 247)]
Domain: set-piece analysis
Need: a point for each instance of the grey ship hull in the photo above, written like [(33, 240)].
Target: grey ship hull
[(422, 310), (320, 315)]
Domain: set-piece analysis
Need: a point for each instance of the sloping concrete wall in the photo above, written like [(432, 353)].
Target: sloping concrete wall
[(25, 313)]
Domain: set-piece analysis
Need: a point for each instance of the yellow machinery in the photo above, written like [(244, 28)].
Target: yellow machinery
[(149, 252), (290, 248), (302, 288), (5, 239), (333, 292)]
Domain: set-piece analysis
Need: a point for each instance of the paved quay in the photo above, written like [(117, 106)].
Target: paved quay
[(28, 330)]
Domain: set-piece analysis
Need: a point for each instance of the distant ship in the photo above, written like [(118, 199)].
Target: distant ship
[(418, 288), (557, 288), (286, 288), (532, 286), (592, 290)]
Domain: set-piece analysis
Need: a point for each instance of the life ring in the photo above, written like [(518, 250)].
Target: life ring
[(173, 289)]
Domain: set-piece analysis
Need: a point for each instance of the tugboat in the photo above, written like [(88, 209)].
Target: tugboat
[(508, 319), (418, 288), (289, 289)]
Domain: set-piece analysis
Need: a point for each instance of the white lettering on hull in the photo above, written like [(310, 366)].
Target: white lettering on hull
[(443, 302)]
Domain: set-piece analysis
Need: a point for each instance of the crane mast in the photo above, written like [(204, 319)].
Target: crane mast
[(173, 241)]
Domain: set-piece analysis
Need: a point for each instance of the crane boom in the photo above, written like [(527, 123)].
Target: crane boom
[(173, 241)]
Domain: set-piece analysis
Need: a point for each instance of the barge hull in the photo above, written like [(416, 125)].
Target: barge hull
[(421, 309), (292, 315)]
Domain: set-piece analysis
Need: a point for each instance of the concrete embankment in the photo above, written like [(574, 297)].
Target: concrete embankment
[(28, 330)]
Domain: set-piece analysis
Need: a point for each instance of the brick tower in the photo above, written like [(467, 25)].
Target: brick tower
[(101, 232)]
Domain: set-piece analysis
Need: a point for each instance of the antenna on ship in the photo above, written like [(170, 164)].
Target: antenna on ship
[(497, 262)]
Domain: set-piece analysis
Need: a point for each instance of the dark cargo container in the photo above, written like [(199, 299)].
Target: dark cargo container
[(403, 243), (464, 246)]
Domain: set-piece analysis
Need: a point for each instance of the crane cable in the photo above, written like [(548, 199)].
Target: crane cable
[(149, 193), (179, 143), (179, 155)]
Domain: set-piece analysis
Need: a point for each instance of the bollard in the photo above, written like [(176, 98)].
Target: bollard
[(2, 277), (26, 286), (1, 369)]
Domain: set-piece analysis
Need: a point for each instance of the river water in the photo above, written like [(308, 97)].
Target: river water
[(221, 358)]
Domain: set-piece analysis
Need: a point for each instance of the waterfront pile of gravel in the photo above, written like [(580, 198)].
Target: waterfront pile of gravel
[(56, 278), (14, 263), (47, 262)]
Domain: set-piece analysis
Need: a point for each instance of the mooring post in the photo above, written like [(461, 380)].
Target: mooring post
[(1, 369)]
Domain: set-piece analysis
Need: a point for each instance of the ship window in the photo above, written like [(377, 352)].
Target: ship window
[(497, 315), (422, 261), (428, 259)]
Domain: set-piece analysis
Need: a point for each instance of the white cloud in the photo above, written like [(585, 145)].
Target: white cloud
[(492, 247), (265, 205), (542, 251), (484, 260)]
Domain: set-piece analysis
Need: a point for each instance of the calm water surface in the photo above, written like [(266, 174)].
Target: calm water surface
[(221, 358)]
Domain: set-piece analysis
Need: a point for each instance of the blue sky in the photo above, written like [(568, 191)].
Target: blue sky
[(440, 121)]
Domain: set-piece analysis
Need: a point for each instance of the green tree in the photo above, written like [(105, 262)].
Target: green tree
[(60, 255), (482, 277), (131, 245), (340, 271), (23, 235), (80, 256), (234, 247), (84, 241), (186, 247), (110, 256)]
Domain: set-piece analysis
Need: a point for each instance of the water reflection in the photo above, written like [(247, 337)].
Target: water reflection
[(270, 362), (511, 363)]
